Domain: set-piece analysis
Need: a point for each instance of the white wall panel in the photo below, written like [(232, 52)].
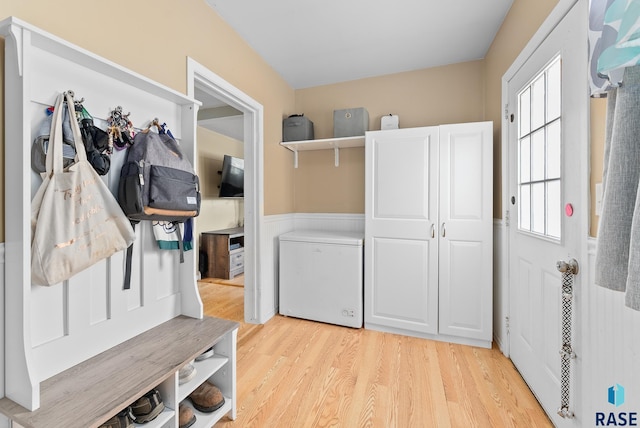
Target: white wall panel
[(49, 306), (500, 289), (611, 346)]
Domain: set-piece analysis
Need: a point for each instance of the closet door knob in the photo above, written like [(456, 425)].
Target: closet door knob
[(443, 230), (433, 230)]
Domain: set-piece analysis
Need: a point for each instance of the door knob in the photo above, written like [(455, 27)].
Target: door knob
[(570, 267)]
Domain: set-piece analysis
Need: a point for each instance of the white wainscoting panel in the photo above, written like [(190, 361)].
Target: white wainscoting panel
[(332, 222), (500, 287), (611, 348), (273, 227)]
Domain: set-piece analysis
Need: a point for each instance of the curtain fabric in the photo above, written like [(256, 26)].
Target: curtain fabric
[(614, 42)]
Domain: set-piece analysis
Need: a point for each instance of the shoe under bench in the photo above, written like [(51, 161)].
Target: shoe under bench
[(93, 391)]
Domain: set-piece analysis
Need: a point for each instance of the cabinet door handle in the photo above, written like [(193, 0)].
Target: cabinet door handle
[(433, 230), (443, 230)]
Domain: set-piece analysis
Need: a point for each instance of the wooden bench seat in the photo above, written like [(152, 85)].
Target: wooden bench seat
[(91, 392)]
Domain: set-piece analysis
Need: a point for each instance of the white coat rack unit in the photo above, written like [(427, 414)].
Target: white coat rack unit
[(51, 330)]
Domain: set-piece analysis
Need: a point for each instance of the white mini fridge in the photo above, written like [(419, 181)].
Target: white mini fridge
[(321, 276)]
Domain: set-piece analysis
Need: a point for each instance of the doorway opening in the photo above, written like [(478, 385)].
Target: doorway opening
[(245, 125)]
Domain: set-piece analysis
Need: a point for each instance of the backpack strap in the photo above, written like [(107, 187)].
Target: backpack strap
[(129, 256), (180, 244)]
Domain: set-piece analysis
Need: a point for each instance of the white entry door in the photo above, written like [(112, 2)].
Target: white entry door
[(547, 135)]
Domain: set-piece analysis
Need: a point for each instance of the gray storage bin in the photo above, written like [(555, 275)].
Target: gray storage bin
[(350, 122), (297, 128)]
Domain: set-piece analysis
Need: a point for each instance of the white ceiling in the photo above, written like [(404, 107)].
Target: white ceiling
[(311, 43), (216, 116)]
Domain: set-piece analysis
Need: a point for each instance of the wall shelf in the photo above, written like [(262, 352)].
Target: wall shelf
[(323, 144)]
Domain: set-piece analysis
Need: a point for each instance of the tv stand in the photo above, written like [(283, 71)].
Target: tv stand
[(225, 252)]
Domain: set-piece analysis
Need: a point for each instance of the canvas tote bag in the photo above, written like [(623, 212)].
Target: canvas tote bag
[(75, 219)]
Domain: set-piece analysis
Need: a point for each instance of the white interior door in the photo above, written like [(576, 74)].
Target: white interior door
[(401, 244), (547, 99)]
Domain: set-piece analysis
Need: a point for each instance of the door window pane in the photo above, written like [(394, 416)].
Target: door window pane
[(553, 91), (525, 112), (538, 102), (553, 150), (554, 209), (525, 207), (525, 160), (537, 208), (540, 153), (537, 156)]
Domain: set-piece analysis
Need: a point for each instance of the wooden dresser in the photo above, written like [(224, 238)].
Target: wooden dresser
[(225, 252)]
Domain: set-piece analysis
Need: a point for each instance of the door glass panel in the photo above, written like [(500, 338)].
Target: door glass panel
[(538, 102), (537, 207), (554, 209), (525, 207), (537, 156), (525, 112), (525, 160), (540, 153), (553, 92), (553, 150)]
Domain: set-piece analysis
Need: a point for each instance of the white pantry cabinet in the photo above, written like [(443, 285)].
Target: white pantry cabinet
[(428, 232)]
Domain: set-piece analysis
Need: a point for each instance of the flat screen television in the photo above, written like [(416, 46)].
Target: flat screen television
[(232, 181)]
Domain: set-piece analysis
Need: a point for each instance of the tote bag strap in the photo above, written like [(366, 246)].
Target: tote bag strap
[(53, 160), (81, 153)]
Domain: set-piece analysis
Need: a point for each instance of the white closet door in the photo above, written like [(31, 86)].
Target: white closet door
[(466, 230), (401, 251)]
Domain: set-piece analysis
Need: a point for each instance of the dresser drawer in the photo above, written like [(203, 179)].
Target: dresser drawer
[(236, 260)]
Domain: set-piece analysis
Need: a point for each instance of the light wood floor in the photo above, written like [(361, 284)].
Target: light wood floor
[(295, 373)]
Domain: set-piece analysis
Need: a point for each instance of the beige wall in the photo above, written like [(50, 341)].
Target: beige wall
[(521, 23), (455, 93), (433, 96), (216, 213), (153, 38)]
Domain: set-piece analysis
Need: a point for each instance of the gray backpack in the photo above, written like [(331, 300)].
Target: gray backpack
[(157, 182)]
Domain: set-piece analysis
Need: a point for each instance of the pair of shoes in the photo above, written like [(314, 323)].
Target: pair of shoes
[(206, 354), (207, 398), (121, 420), (186, 373), (147, 407), (186, 418)]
